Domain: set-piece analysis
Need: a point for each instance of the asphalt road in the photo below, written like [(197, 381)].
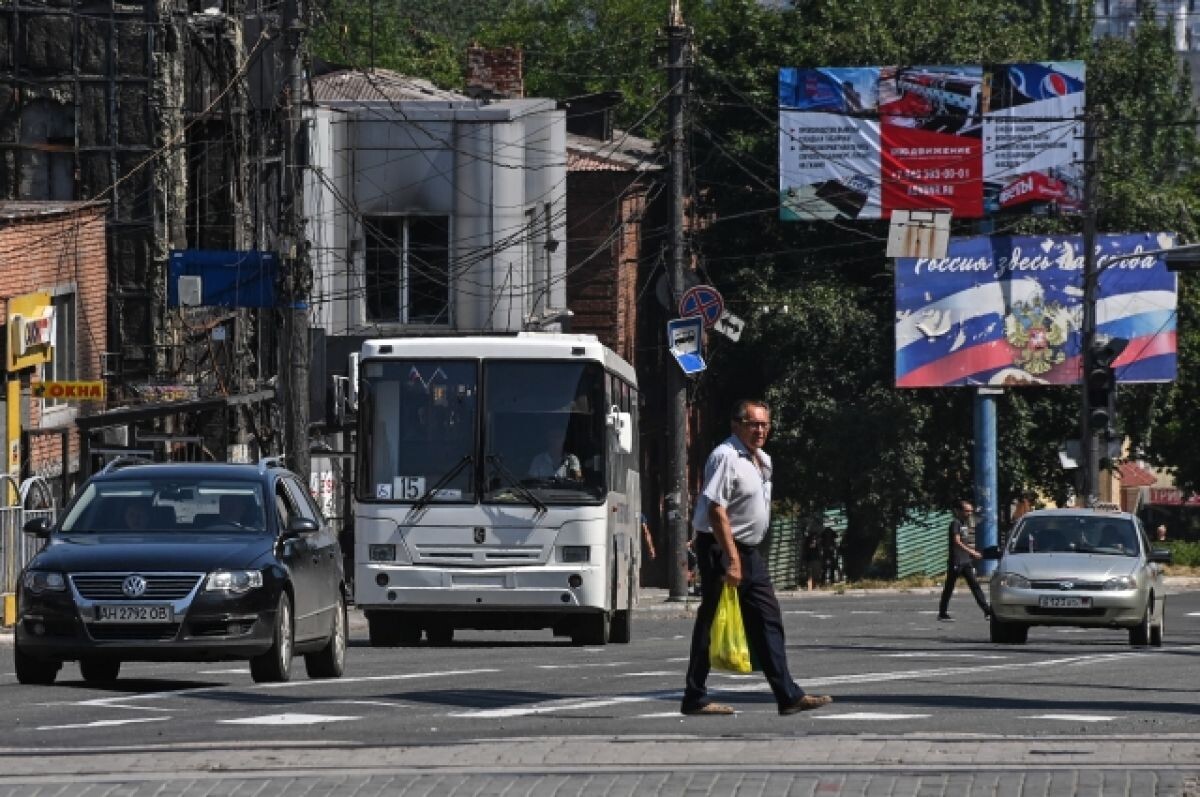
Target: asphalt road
[(890, 665)]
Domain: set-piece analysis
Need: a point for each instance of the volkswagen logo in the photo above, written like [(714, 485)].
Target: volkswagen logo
[(134, 586), (480, 535)]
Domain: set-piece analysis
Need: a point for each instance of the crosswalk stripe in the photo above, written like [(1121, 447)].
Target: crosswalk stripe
[(288, 719)]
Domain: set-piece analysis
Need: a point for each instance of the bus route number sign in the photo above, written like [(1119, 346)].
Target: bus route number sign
[(704, 301)]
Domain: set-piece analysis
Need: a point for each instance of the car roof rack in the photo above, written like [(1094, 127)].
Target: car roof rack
[(125, 461), (269, 462)]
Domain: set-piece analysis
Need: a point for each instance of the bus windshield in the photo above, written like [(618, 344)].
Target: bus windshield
[(420, 430), (544, 432)]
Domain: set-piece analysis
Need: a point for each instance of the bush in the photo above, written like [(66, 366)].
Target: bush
[(1183, 552)]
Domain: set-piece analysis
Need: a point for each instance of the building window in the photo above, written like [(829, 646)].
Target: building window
[(407, 269), (61, 367)]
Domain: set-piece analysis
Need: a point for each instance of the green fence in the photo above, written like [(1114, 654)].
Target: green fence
[(922, 545)]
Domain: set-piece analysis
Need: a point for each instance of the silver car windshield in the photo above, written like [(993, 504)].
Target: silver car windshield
[(1076, 534)]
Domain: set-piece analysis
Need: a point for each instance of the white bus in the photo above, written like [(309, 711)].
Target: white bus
[(497, 487)]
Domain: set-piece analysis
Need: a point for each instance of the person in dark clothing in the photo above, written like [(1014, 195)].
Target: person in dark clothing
[(962, 561), (830, 570)]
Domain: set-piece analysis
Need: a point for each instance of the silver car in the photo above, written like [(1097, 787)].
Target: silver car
[(1079, 567)]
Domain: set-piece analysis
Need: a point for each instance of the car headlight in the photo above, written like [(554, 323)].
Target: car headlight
[(1124, 582), (233, 581), (39, 581), (1014, 580)]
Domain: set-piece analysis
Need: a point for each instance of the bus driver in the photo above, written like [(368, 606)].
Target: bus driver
[(555, 462)]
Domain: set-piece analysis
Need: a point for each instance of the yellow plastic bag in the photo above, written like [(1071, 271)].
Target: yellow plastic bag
[(727, 647)]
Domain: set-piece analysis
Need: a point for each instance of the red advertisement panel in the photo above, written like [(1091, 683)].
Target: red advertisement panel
[(922, 169)]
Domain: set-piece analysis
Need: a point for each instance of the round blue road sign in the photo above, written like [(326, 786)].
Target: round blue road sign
[(704, 301)]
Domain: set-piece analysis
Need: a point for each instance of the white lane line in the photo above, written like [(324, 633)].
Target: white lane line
[(813, 615), (937, 673), (581, 666), (1192, 614), (865, 611), (680, 658), (658, 715), (119, 699), (872, 716), (288, 719), (101, 724), (234, 671), (347, 702), (647, 674), (936, 655), (1070, 717)]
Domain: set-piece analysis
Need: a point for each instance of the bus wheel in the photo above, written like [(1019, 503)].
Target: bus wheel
[(387, 630), (621, 631), (591, 629)]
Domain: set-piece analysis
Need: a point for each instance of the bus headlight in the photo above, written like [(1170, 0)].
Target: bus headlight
[(381, 553), (575, 553)]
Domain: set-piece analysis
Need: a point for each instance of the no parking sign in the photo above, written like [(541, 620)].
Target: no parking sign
[(704, 301)]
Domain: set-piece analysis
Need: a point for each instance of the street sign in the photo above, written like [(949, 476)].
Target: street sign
[(684, 339), (730, 326), (703, 301), (68, 391)]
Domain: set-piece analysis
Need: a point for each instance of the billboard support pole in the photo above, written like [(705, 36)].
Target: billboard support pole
[(1089, 460), (985, 474)]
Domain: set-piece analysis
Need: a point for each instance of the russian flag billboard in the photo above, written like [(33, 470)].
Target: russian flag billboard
[(861, 142), (1002, 310)]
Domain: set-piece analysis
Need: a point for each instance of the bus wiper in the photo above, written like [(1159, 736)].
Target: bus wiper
[(515, 482), (424, 500)]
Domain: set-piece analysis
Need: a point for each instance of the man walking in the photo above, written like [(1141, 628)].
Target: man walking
[(962, 561), (732, 514)]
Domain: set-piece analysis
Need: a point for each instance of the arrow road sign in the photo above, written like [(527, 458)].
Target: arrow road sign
[(730, 326), (704, 301)]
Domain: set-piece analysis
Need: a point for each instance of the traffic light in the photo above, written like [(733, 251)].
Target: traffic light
[(1101, 380)]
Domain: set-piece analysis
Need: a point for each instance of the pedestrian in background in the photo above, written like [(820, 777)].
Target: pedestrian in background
[(647, 537), (962, 561), (830, 569), (1160, 534), (732, 514)]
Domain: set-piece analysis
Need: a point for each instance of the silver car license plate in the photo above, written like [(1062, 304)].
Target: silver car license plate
[(1064, 602), (135, 613)]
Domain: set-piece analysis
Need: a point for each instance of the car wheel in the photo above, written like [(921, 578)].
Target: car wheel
[(592, 629), (1139, 634), (330, 661), (439, 634), (1159, 630), (1007, 633), (96, 670), (276, 663), (33, 671)]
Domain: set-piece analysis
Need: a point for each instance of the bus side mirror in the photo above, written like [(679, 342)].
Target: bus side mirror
[(621, 425)]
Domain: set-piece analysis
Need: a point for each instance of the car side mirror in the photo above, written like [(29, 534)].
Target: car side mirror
[(38, 527), (302, 525), (621, 425), (1160, 555)]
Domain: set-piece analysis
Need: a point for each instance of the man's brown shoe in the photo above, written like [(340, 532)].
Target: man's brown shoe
[(806, 703), (708, 708)]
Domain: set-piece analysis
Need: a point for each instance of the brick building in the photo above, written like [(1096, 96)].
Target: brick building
[(58, 249)]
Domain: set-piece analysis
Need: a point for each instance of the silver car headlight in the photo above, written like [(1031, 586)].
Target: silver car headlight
[(1014, 580), (39, 581), (1124, 582), (236, 581)]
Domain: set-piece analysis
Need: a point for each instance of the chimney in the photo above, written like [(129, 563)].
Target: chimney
[(495, 74)]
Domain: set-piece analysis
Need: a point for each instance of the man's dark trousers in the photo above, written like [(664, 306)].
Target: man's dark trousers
[(967, 571), (760, 615)]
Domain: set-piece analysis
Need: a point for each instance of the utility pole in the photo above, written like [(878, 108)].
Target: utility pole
[(677, 499), (1089, 465), (297, 275)]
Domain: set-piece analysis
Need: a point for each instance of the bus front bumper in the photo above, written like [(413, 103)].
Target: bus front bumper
[(542, 588)]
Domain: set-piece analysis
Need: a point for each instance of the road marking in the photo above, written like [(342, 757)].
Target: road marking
[(565, 704), (865, 611), (117, 700), (288, 719), (580, 666), (1070, 717), (234, 671), (101, 724), (1193, 614), (348, 702), (872, 716), (813, 615), (658, 715), (647, 674), (935, 655)]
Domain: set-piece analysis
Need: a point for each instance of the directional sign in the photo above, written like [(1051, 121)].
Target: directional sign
[(704, 301), (730, 326), (684, 339)]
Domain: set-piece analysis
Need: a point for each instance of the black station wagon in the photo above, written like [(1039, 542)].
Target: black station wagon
[(183, 562)]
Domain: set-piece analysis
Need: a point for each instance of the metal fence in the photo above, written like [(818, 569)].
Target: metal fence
[(922, 545), (17, 547)]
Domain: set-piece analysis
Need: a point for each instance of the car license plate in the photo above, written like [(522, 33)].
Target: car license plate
[(1064, 602), (135, 613)]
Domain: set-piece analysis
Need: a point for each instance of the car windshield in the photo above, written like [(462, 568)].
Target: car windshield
[(168, 505), (1076, 534)]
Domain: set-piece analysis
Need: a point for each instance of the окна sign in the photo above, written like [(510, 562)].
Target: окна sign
[(68, 391)]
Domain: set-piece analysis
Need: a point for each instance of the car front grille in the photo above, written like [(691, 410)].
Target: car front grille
[(1062, 585), (133, 633), (159, 587)]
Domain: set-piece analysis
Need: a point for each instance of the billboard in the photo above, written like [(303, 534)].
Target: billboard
[(1001, 310), (860, 142)]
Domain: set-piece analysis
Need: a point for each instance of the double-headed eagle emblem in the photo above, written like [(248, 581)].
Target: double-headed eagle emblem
[(1038, 331)]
